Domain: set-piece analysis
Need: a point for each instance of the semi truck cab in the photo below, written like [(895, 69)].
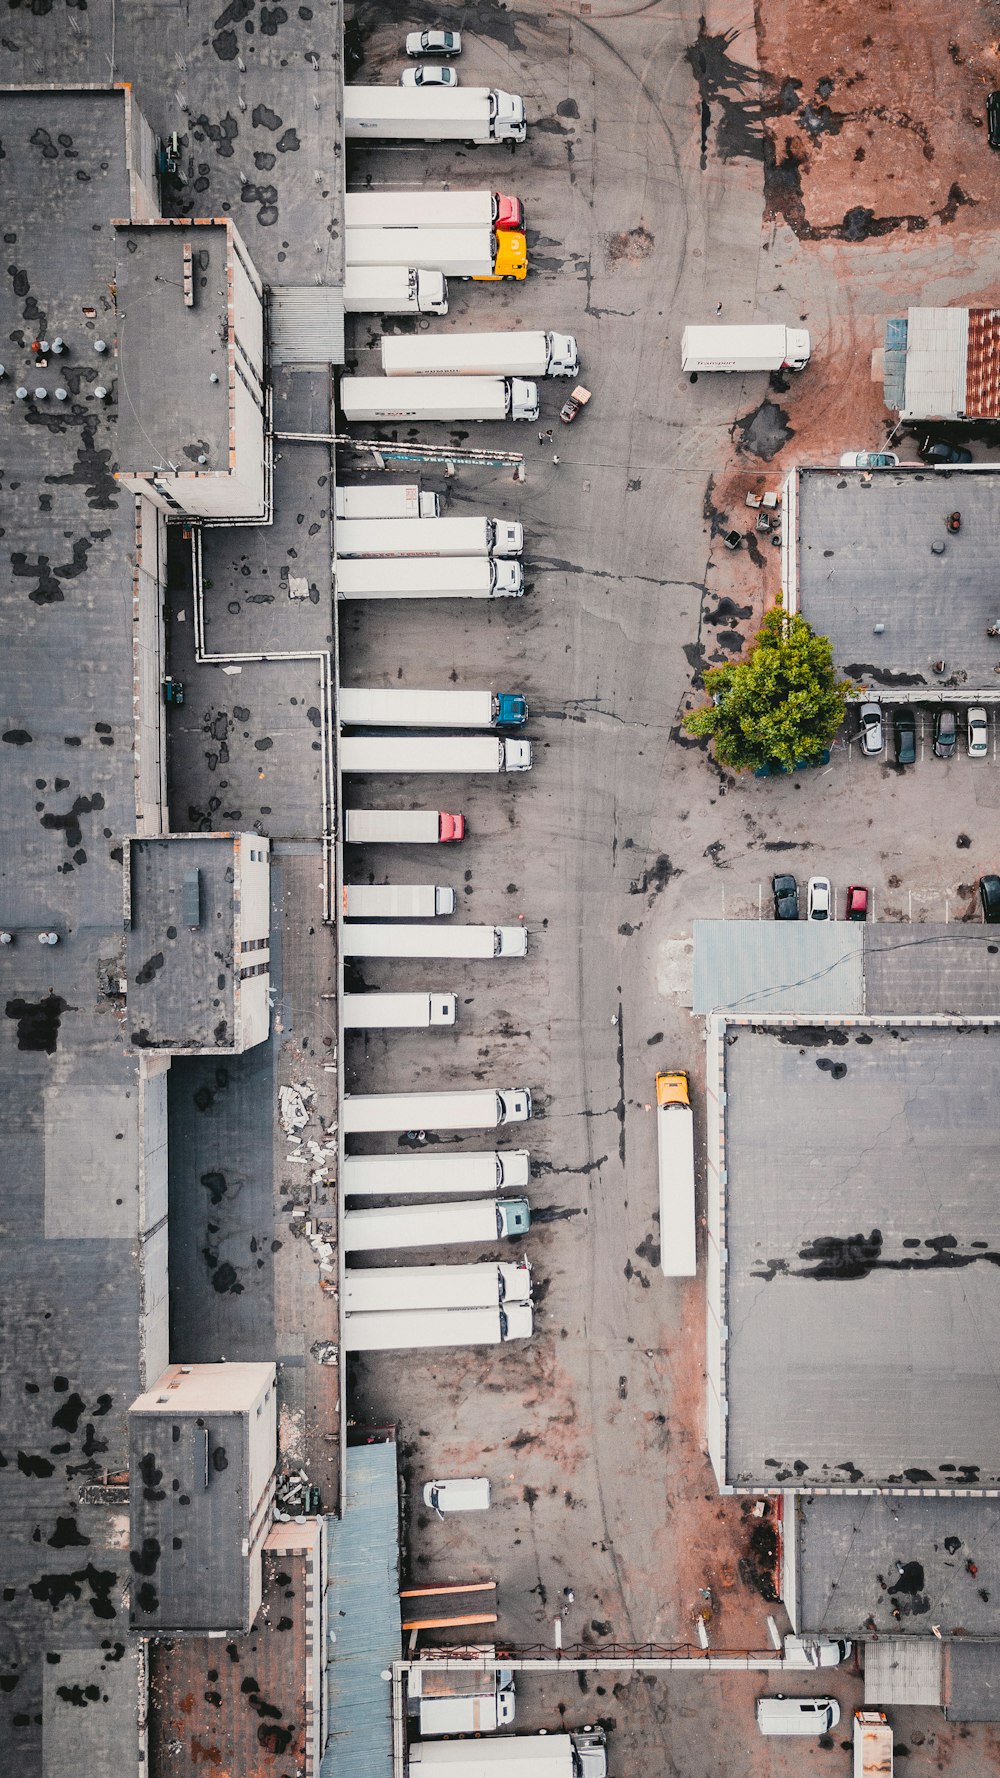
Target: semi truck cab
[(510, 257)]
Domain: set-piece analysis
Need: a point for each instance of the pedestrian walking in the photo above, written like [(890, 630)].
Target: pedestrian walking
[(541, 438), (718, 308), (556, 458), (549, 433)]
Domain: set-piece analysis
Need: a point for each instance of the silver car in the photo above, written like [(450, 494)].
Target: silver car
[(977, 733), (434, 43), (872, 732)]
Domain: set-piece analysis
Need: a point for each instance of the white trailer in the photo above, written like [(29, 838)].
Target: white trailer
[(433, 753), (412, 1175), (397, 901), (395, 290), (477, 1108), (751, 346), (873, 1744), (362, 706), (401, 1012), (434, 1225), (395, 1288), (454, 252), (429, 537), (437, 398), (429, 577), (510, 353), (408, 827), (385, 500), (580, 1755), (471, 114), (358, 940), (675, 1156), (409, 1330), (432, 209)]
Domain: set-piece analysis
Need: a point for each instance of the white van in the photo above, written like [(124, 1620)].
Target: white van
[(466, 1494), (797, 1716)]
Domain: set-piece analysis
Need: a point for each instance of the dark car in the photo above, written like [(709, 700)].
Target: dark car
[(993, 120), (989, 895), (938, 450), (945, 734), (786, 898), (905, 728), (857, 902)]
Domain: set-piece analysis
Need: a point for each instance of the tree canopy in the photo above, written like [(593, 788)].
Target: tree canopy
[(782, 704)]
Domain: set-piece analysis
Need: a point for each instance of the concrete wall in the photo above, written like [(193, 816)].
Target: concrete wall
[(252, 933), (148, 657), (715, 1278), (141, 155)]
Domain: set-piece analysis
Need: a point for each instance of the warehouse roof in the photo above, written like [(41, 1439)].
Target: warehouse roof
[(181, 979)]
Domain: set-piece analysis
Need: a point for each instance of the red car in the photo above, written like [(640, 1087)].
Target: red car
[(857, 902)]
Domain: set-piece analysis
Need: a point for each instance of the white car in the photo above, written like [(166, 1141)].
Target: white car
[(820, 898), (872, 733), (462, 1494), (869, 460), (977, 733), (434, 43), (428, 74), (815, 1651)]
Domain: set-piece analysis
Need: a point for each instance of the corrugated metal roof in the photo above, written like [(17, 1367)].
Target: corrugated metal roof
[(936, 353), (771, 966), (903, 1670), (307, 325), (982, 369), (364, 1615), (894, 363)]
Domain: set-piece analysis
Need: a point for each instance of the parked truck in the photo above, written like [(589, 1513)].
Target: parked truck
[(397, 901), (872, 1745), (435, 1225), (371, 707), (510, 353), (472, 114), (395, 1288), (392, 1175), (429, 537), (433, 753), (385, 500), (432, 209), (359, 940), (481, 254), (429, 577), (411, 1329), (755, 345), (407, 827), (582, 1754), (476, 1108), (675, 1155), (394, 290), (451, 1701), (438, 398), (401, 1012)]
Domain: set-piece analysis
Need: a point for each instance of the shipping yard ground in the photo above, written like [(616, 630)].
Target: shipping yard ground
[(643, 179)]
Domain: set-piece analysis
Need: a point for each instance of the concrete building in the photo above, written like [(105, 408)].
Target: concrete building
[(943, 364)]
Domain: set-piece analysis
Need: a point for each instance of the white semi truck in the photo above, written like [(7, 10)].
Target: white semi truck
[(358, 940), (385, 500), (450, 1701), (510, 353), (374, 707), (482, 254), (675, 1158), (411, 1329), (407, 827), (429, 577), (753, 345), (433, 753), (582, 1754), (395, 290), (473, 114), (400, 1012), (432, 209), (435, 1225), (395, 1288), (476, 1108), (429, 537), (873, 1744), (397, 901), (438, 398), (392, 1175)]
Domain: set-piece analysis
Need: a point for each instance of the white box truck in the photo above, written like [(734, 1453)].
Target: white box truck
[(395, 1288), (359, 940), (476, 1108), (435, 1225), (400, 1012), (395, 290), (675, 1157), (510, 353), (410, 1175), (450, 1701), (432, 209), (374, 707), (385, 500), (752, 346), (477, 253), (429, 577), (407, 827), (397, 901), (872, 1745), (438, 398), (411, 1329), (433, 753), (429, 537), (472, 114), (582, 1754)]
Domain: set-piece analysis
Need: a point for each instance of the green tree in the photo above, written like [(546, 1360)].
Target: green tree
[(781, 704)]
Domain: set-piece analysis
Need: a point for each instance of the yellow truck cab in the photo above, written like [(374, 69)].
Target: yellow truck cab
[(510, 256)]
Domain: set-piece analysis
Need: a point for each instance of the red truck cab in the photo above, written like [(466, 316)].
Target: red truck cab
[(451, 827), (508, 212)]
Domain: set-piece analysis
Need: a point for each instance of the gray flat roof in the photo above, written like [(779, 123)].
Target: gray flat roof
[(170, 412), (863, 1237), (881, 966), (188, 1520), (973, 1682), (181, 981), (865, 558)]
